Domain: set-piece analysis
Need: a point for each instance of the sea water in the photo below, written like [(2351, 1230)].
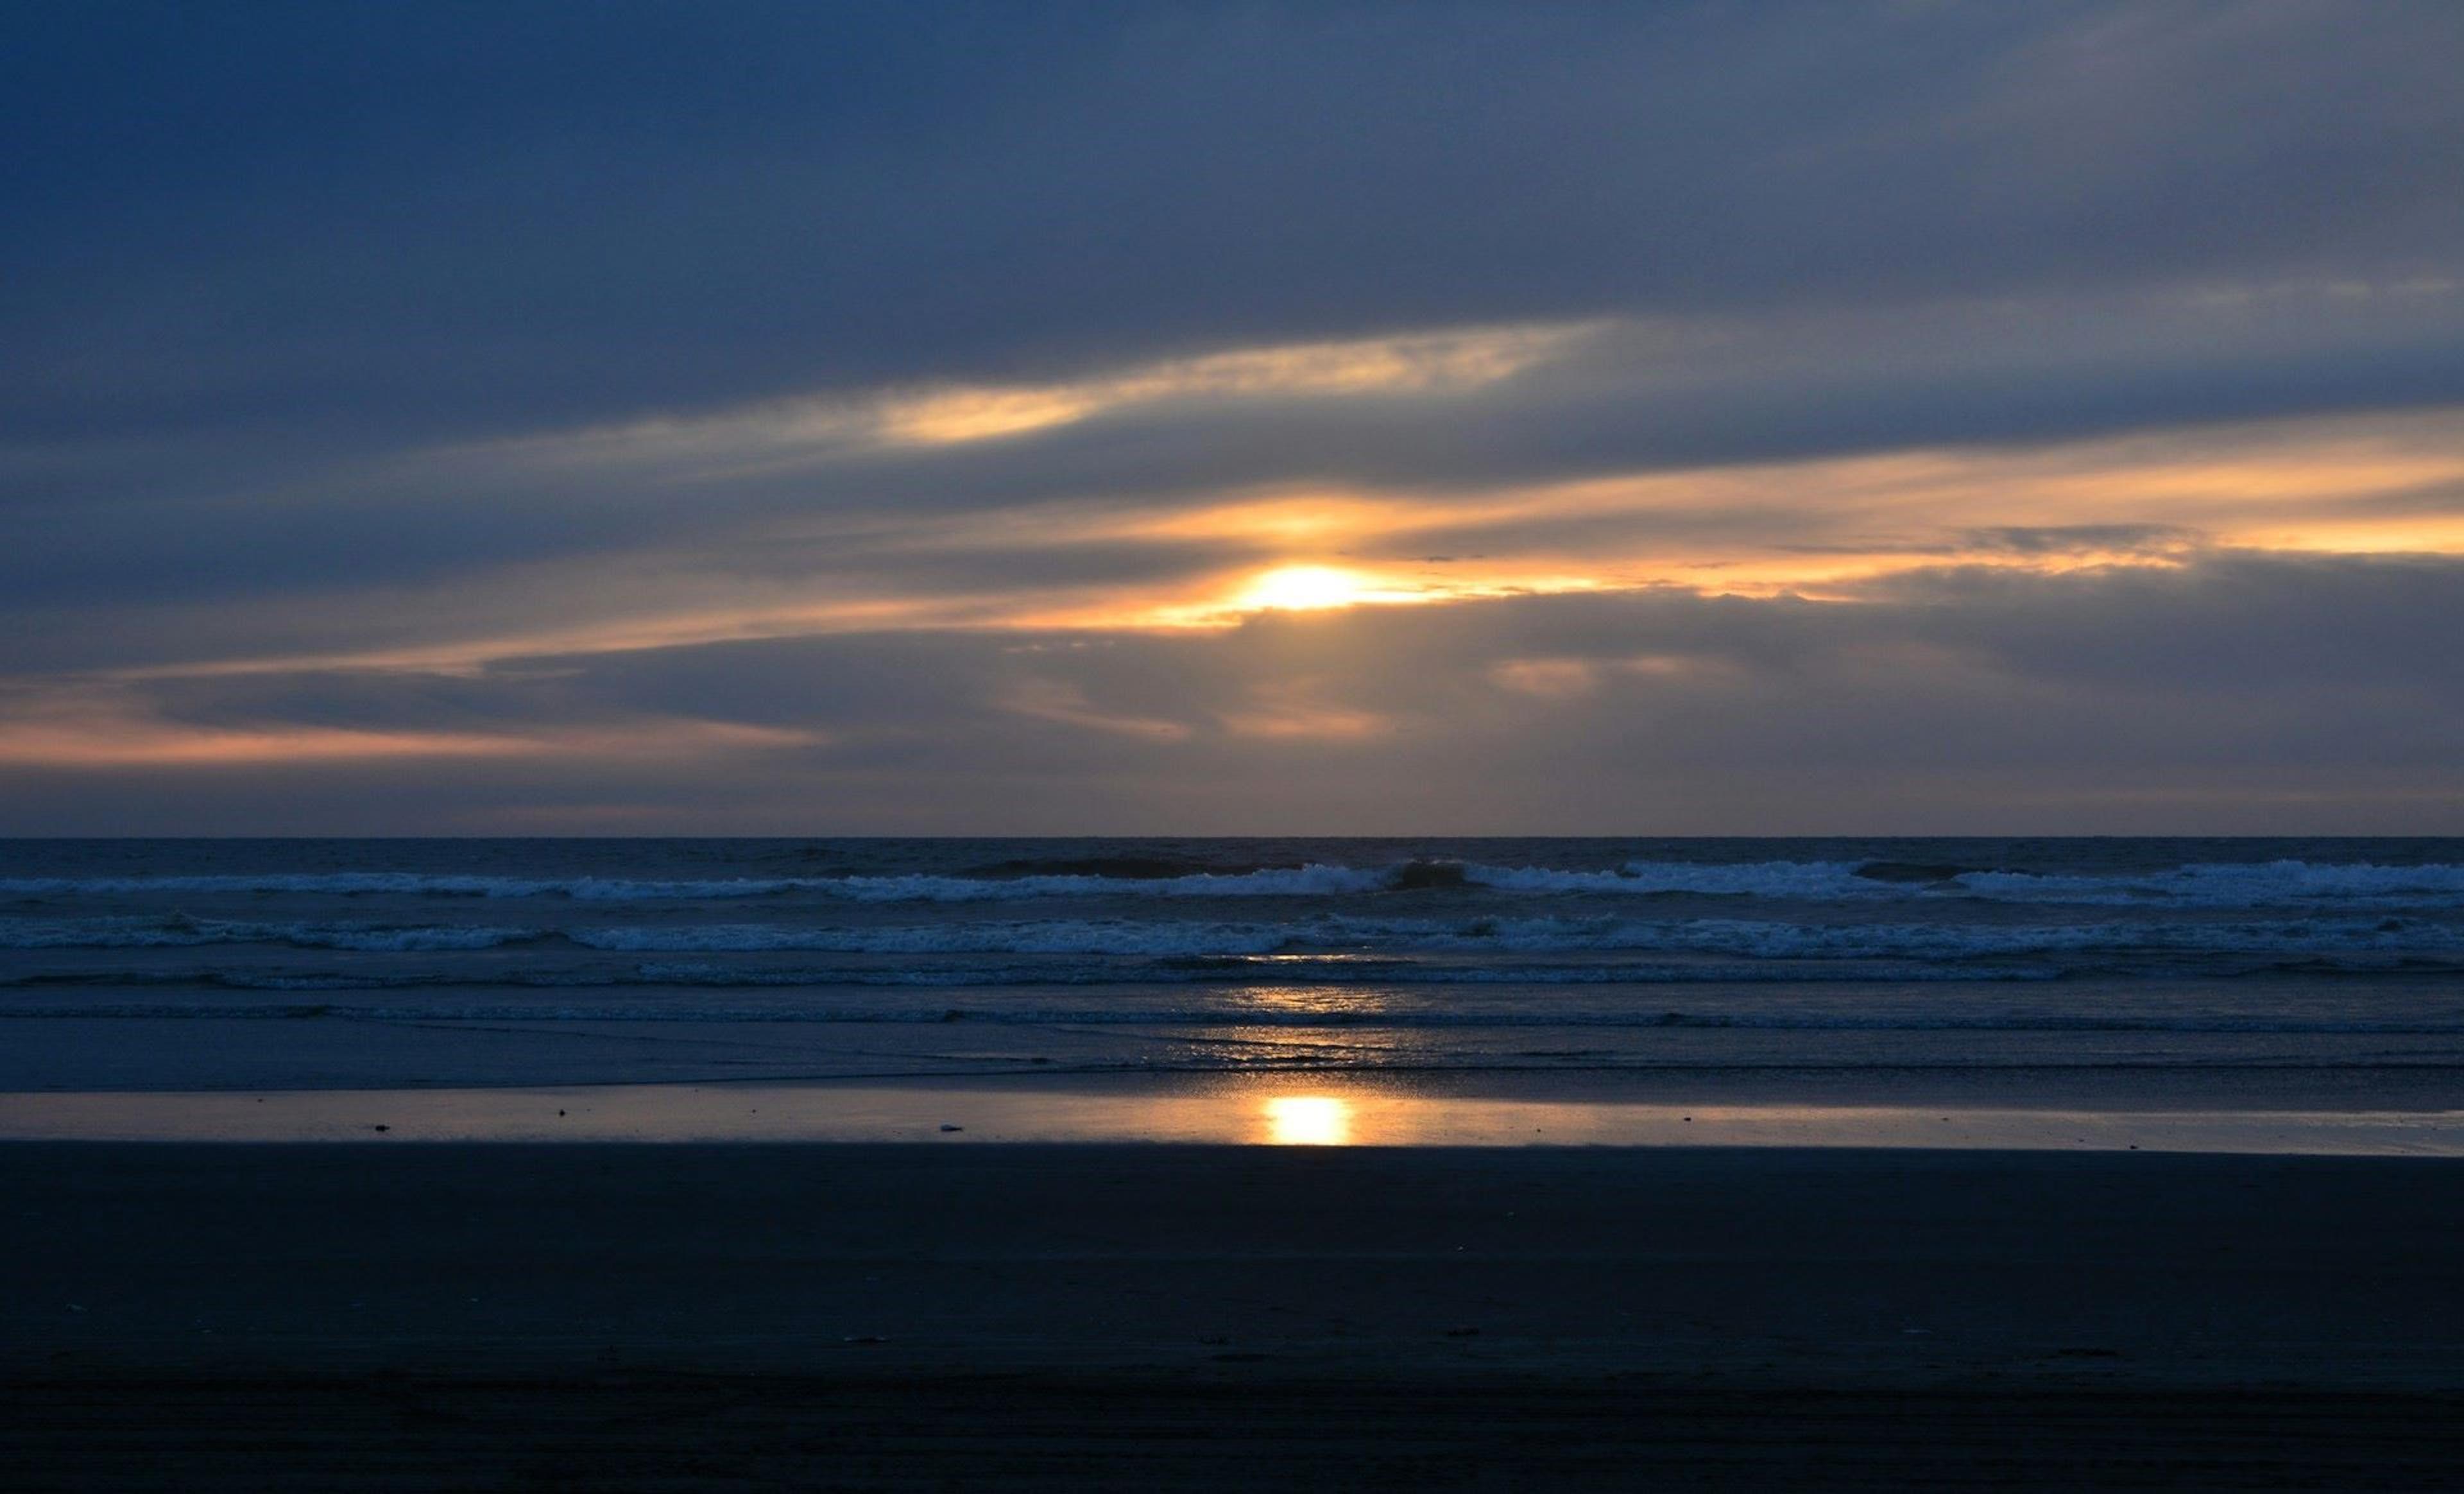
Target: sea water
[(1491, 956)]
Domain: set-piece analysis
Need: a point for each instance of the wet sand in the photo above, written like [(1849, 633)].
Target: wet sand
[(511, 1316), (1273, 1109)]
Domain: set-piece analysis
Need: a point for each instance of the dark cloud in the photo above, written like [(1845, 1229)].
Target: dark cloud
[(333, 329), (311, 217), (2082, 538), (1630, 399), (2236, 694)]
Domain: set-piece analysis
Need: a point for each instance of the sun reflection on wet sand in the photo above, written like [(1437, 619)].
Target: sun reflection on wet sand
[(1224, 1110), (1308, 1120)]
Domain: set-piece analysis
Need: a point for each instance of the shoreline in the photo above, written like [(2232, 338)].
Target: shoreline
[(1270, 1109), (50, 1052)]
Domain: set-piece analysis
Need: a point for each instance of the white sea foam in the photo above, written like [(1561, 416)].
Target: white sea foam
[(182, 932), (364, 883), (750, 1003), (1323, 935), (1789, 879), (2221, 885), (1056, 937), (1948, 942), (1310, 881), (1271, 881), (2236, 884)]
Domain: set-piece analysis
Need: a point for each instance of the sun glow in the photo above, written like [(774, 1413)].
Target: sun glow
[(1300, 588), (1309, 1120)]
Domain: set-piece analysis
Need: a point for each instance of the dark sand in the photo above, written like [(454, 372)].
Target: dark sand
[(691, 1318)]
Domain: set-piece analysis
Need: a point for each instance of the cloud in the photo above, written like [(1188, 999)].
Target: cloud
[(1743, 409), (2234, 693), (694, 569), (800, 432), (2097, 540), (472, 222)]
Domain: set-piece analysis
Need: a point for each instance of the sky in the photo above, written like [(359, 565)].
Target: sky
[(1722, 418)]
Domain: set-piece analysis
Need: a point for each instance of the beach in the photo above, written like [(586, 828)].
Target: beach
[(1542, 1164), (695, 1316), (1264, 747)]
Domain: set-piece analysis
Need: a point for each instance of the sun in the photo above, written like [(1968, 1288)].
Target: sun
[(1304, 587)]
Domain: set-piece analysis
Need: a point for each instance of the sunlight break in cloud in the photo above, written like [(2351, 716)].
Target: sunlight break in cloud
[(2367, 484), (785, 432), (84, 734)]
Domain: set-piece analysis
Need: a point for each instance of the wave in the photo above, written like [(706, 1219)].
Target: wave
[(414, 884), (1147, 1015), (1330, 973), (180, 932), (2216, 885), (1746, 939), (1312, 880), (1284, 882), (1322, 933), (2233, 885), (1133, 868), (950, 938), (1757, 938)]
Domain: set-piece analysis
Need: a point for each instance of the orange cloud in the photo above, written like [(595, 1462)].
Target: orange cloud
[(2371, 484), (82, 737), (783, 432)]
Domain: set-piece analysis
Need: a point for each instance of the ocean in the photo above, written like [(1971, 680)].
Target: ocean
[(2160, 958)]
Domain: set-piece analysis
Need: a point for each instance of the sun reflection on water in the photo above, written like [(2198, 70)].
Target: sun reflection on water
[(1309, 1120)]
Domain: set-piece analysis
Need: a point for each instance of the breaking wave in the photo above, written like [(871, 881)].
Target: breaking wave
[(1323, 934), (2213, 885), (1149, 1013)]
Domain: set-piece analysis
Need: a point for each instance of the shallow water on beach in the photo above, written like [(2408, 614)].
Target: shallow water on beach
[(1499, 955)]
